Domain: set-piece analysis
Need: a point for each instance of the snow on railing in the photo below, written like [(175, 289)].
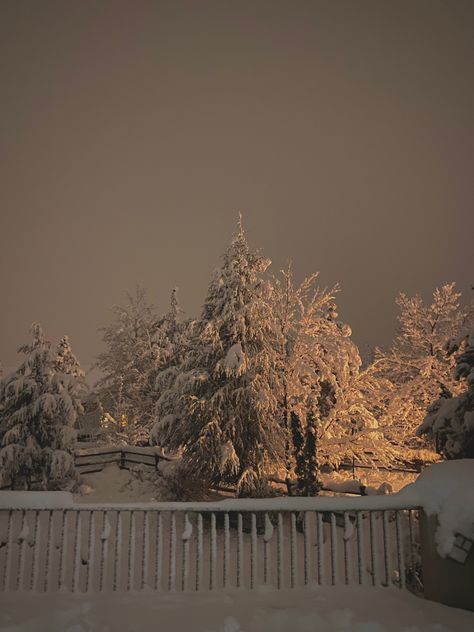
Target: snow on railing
[(48, 543)]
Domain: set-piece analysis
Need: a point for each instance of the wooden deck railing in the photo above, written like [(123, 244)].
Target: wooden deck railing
[(284, 543)]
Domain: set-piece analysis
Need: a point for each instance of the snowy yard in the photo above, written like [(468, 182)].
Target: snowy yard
[(341, 609)]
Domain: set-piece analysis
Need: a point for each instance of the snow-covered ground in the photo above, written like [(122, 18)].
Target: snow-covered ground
[(113, 484), (341, 609)]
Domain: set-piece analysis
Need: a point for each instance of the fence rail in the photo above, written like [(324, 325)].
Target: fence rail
[(150, 456), (92, 460), (199, 546)]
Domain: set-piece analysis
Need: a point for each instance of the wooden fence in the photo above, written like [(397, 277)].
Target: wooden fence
[(283, 543), (89, 460)]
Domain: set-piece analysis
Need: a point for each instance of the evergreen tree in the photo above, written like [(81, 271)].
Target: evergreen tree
[(39, 407), (298, 450), (69, 370), (227, 422), (312, 484), (450, 420), (66, 362), (305, 452), (173, 339)]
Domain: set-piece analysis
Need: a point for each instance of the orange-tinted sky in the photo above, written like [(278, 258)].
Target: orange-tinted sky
[(131, 133)]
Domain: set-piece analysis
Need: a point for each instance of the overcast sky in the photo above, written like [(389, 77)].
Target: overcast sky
[(131, 133)]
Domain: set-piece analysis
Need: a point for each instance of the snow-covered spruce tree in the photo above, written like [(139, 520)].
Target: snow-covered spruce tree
[(323, 376), (228, 425), (450, 420), (305, 453), (419, 362), (69, 370), (39, 406), (128, 365), (173, 337)]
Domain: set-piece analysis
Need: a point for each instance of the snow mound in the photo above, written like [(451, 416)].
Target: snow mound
[(447, 490)]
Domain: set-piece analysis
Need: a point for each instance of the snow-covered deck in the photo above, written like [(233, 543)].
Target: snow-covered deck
[(316, 609)]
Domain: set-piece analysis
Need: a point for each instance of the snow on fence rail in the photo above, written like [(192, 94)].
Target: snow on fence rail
[(205, 546)]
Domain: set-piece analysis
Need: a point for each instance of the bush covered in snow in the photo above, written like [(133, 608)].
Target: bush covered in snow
[(450, 420)]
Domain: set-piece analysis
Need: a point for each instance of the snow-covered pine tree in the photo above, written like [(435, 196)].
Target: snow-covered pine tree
[(419, 361), (228, 424), (312, 483), (298, 449), (450, 420), (128, 365), (69, 370), (39, 408), (305, 453), (173, 336)]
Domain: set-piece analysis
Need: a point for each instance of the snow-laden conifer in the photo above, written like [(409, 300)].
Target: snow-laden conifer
[(39, 407), (173, 336), (450, 420), (227, 419)]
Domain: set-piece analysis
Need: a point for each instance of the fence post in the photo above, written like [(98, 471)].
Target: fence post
[(122, 459), (157, 460)]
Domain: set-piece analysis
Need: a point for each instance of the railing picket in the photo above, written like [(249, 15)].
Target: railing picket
[(22, 553), (412, 540), (360, 547), (8, 554), (400, 551), (47, 563), (373, 551), (117, 550), (145, 548), (293, 551), (131, 551), (266, 548), (226, 561), (253, 552), (240, 547), (172, 561), (386, 560), (334, 556), (104, 548), (90, 552), (213, 553), (36, 547), (77, 554), (200, 549), (280, 551), (347, 536), (320, 538), (159, 551), (306, 548), (186, 537)]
